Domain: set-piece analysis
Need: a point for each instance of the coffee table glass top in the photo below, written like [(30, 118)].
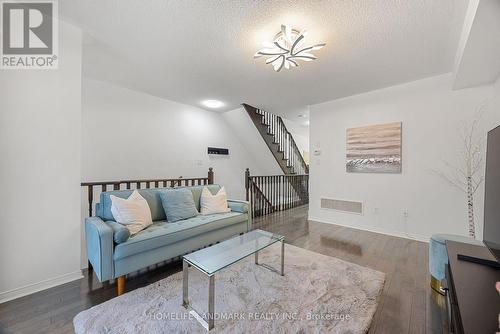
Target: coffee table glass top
[(216, 257)]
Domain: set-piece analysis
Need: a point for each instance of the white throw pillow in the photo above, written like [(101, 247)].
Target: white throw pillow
[(210, 204), (133, 212)]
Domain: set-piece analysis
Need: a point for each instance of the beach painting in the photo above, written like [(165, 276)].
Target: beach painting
[(374, 149)]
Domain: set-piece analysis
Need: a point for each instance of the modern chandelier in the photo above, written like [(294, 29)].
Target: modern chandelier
[(286, 49)]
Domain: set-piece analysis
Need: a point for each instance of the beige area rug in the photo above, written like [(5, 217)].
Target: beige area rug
[(318, 294)]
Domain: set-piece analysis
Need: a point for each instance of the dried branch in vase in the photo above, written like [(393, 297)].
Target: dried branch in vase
[(467, 175)]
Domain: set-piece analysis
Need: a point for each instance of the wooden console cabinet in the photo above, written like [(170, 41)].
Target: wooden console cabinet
[(473, 303)]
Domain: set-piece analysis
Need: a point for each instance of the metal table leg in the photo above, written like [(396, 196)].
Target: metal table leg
[(281, 270), (282, 257), (210, 321), (211, 302), (185, 300)]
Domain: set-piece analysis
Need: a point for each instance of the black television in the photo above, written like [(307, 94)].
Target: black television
[(491, 232)]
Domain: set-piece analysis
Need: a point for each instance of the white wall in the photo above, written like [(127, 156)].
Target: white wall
[(432, 115), (263, 161), (40, 115), (255, 144), (129, 134)]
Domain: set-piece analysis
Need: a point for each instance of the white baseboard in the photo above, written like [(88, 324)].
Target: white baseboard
[(421, 238), (35, 287)]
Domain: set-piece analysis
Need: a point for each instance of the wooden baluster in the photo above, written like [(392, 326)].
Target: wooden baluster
[(287, 188), (284, 193), (128, 185), (267, 194), (172, 184), (299, 184), (295, 192), (116, 186), (288, 192), (90, 195), (261, 206), (275, 191), (257, 197), (266, 185), (157, 184), (103, 188), (253, 198), (247, 184), (278, 177), (137, 185), (306, 190), (210, 175), (264, 191), (283, 200), (272, 193)]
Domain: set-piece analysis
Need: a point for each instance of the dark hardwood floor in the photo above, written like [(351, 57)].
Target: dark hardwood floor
[(407, 304)]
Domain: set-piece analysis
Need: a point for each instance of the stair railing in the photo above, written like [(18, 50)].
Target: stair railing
[(272, 193)]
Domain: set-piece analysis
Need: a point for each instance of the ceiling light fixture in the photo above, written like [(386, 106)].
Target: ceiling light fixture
[(286, 49), (213, 104)]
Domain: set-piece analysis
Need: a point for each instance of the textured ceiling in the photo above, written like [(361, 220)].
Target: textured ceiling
[(192, 50)]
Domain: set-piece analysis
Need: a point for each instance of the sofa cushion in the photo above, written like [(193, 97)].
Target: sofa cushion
[(152, 196), (210, 203), (178, 204), (134, 212), (196, 190), (164, 233)]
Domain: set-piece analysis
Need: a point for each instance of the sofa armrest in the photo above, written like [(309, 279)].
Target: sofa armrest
[(99, 239), (243, 207)]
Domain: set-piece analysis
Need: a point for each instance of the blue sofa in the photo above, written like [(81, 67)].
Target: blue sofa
[(113, 253)]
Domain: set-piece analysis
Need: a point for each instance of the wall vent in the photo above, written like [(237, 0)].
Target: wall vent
[(341, 205)]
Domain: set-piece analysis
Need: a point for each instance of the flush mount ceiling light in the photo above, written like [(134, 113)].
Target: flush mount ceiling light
[(286, 49), (213, 104)]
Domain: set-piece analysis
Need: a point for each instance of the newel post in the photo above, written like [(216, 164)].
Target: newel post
[(210, 175), (247, 183)]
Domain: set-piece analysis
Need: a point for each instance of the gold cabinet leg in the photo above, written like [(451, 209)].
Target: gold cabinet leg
[(121, 285)]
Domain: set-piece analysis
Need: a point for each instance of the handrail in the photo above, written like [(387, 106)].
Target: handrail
[(301, 158), (180, 178), (166, 183)]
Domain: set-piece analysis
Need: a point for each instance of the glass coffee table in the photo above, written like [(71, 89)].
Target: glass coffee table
[(219, 256)]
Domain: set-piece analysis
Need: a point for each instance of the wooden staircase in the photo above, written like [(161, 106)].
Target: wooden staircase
[(273, 193), (279, 140)]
